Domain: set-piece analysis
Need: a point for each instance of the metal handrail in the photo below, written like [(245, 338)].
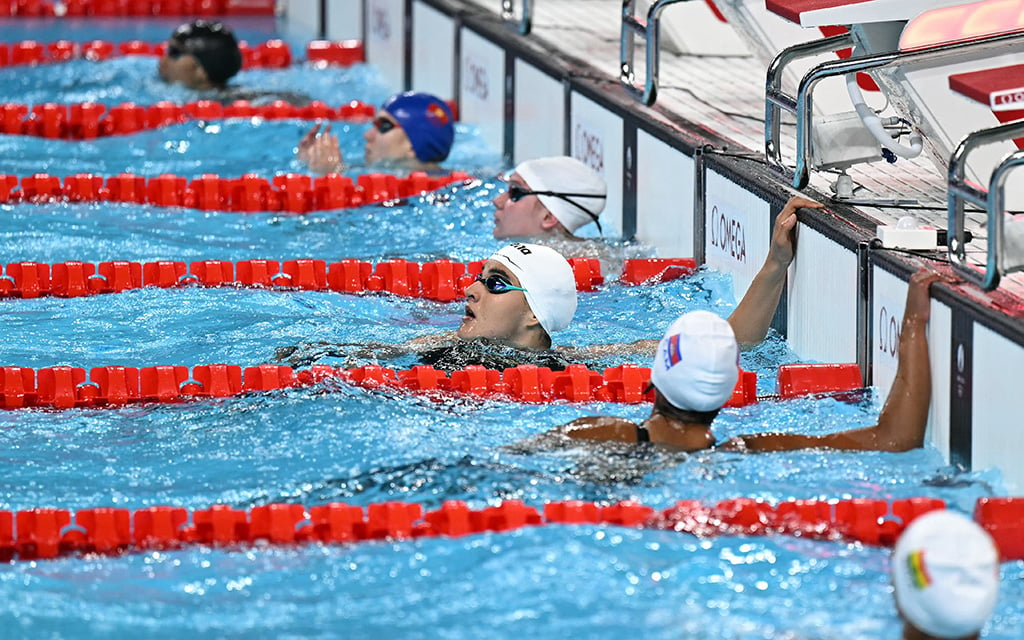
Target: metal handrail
[(802, 104), (508, 14), (627, 40), (993, 201), (775, 99)]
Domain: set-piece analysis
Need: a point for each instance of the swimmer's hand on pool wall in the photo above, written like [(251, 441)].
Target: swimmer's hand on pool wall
[(753, 315), (902, 422), (320, 151)]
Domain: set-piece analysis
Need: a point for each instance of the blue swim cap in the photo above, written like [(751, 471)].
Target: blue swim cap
[(428, 122)]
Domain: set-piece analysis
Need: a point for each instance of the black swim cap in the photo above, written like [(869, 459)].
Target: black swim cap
[(213, 45)]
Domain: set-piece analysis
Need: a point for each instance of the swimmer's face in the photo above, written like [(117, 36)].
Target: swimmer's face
[(501, 316), (386, 140), (179, 67), (526, 218)]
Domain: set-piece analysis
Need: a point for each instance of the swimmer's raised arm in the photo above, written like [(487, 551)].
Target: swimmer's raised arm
[(320, 150), (902, 422), (753, 315)]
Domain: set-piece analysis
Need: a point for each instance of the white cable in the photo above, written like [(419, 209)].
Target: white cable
[(874, 124)]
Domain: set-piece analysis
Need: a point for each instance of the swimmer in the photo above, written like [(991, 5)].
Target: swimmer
[(945, 576), (204, 55), (549, 198), (695, 370), (413, 131), (524, 293), (201, 55), (752, 317)]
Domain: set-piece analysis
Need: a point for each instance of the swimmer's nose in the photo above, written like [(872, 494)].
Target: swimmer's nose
[(471, 293), (500, 200)]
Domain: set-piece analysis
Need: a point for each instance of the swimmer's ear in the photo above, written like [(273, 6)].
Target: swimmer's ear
[(549, 222), (531, 320)]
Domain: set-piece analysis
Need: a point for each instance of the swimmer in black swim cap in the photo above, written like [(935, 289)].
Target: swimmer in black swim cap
[(201, 55)]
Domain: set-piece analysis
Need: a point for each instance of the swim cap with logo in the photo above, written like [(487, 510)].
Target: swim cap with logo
[(427, 121), (562, 174), (945, 571), (696, 365), (548, 279)]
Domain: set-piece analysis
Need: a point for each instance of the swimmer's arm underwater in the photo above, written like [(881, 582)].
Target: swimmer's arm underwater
[(594, 428), (902, 422), (753, 315), (598, 351)]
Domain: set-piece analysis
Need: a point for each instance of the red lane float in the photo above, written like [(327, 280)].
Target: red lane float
[(289, 193), (271, 54), (44, 533), (66, 387), (441, 280), (88, 120), (140, 8)]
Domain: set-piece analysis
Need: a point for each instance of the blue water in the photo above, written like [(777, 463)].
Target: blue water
[(334, 442)]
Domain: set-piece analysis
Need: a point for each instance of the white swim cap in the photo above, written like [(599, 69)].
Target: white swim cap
[(563, 174), (945, 570), (548, 280), (697, 363)]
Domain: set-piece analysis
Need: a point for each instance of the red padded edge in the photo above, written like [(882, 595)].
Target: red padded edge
[(791, 9)]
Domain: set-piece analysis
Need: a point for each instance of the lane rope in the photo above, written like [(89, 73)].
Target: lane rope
[(269, 54), (441, 280), (288, 193), (66, 387), (46, 533)]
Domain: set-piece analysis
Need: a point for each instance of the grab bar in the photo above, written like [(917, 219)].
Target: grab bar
[(801, 105), (993, 201), (508, 14), (627, 40)]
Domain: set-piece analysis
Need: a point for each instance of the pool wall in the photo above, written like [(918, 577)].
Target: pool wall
[(671, 186)]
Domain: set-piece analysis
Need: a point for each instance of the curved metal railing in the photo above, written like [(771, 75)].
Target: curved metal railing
[(992, 200), (508, 14), (801, 105), (631, 27)]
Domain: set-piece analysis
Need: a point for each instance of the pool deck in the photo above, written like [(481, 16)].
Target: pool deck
[(724, 94)]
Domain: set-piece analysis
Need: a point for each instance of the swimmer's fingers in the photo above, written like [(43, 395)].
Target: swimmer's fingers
[(325, 154), (310, 135), (798, 202), (918, 299), (305, 147)]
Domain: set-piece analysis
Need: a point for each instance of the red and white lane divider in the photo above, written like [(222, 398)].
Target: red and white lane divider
[(139, 8), (67, 387), (251, 193), (89, 120), (44, 533), (441, 280), (270, 54)]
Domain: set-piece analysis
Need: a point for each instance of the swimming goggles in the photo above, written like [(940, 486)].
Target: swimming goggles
[(517, 193), (383, 125), (174, 51), (497, 284)]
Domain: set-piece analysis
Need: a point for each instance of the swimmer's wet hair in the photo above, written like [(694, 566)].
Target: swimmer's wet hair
[(213, 45)]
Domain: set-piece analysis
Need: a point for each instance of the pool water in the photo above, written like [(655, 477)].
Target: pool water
[(335, 442)]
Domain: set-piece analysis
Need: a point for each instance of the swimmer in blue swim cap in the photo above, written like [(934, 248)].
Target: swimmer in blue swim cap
[(411, 130)]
